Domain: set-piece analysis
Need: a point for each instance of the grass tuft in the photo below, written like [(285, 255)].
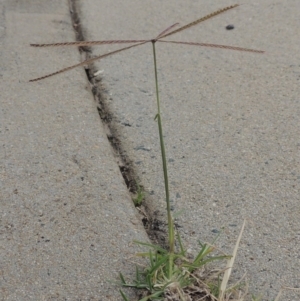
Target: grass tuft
[(191, 279)]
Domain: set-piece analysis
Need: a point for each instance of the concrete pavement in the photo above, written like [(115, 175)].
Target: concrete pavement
[(67, 221), (231, 129)]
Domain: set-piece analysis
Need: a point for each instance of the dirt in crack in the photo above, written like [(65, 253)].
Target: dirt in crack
[(155, 228)]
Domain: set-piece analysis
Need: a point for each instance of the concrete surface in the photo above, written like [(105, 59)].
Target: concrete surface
[(231, 123), (66, 218), (231, 129)]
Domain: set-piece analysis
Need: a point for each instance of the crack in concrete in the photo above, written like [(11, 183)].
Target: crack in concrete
[(155, 228)]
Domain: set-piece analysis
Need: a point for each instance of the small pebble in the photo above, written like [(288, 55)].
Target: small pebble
[(230, 27)]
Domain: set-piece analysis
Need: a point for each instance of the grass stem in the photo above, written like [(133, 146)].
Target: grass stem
[(165, 170)]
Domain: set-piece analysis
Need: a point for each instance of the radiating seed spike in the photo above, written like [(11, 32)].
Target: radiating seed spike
[(166, 30), (88, 43), (215, 46), (86, 62), (200, 20)]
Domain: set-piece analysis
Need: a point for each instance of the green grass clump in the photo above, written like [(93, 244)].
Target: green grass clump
[(173, 275)]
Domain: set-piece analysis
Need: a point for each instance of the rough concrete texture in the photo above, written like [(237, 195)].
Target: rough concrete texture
[(231, 122), (67, 221)]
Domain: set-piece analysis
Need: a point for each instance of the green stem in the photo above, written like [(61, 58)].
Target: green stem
[(165, 170)]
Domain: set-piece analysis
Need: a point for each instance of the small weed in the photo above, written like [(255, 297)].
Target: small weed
[(138, 199)]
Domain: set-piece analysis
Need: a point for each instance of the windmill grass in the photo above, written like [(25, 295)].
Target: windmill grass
[(170, 274)]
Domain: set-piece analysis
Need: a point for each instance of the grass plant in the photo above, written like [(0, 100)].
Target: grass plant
[(171, 274)]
